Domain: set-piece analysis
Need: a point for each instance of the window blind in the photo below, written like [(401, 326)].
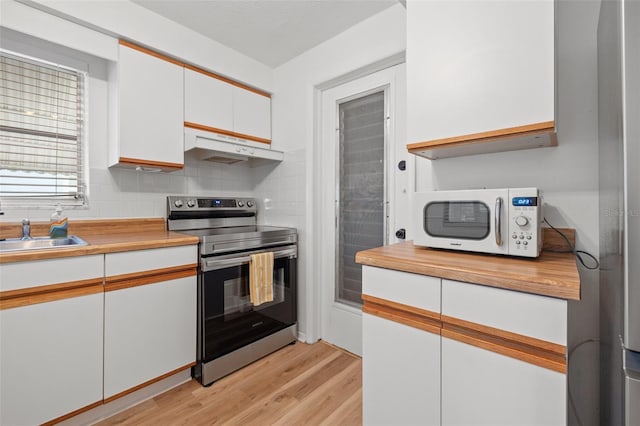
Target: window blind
[(41, 132)]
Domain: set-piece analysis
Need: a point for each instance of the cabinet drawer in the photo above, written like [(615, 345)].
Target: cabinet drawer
[(415, 290), (148, 260), (530, 315), (14, 276)]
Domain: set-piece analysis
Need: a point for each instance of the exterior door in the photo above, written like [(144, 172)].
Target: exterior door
[(355, 174)]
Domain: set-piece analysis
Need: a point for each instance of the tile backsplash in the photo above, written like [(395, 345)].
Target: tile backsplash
[(119, 192)]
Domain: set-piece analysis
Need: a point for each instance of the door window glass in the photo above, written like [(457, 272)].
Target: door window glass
[(361, 215)]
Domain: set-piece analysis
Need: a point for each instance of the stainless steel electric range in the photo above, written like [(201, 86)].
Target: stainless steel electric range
[(231, 331)]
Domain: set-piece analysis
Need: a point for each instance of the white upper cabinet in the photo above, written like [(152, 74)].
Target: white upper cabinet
[(480, 76), (251, 114), (208, 101), (146, 109), (216, 104)]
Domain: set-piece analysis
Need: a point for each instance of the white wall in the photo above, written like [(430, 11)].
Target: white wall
[(567, 174), (287, 190)]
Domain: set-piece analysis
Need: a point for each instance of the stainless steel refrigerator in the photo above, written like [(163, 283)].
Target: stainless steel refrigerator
[(619, 164)]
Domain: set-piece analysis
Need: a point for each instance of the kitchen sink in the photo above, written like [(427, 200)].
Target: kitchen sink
[(40, 243)]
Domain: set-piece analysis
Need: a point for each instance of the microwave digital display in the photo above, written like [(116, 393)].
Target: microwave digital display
[(524, 201)]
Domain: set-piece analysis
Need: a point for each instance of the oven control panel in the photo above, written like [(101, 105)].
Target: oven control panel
[(218, 202), (176, 203)]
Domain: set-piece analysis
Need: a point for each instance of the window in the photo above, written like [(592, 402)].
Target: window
[(42, 112)]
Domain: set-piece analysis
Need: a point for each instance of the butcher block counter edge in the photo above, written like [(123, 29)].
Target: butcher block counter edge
[(102, 236), (551, 274)]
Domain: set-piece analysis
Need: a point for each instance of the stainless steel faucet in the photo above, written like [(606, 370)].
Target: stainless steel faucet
[(26, 229)]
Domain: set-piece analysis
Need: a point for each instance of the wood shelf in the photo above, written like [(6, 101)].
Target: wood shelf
[(537, 135)]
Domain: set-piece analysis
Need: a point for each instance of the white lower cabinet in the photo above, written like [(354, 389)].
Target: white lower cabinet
[(149, 330), (51, 319), (480, 387), (149, 316), (400, 363), (400, 373), (51, 359), (488, 365)]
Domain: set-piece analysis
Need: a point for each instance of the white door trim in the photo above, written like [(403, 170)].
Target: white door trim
[(330, 313), (309, 244)]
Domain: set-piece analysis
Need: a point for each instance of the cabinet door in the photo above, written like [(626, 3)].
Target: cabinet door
[(207, 101), (51, 361), (480, 387), (478, 66), (400, 373), (251, 114), (151, 105), (149, 330)]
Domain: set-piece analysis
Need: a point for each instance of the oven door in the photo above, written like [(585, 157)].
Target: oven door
[(472, 220), (227, 319)]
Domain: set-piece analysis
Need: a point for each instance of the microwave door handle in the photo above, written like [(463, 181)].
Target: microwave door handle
[(498, 221)]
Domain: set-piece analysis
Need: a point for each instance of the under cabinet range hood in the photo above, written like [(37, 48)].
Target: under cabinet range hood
[(220, 148)]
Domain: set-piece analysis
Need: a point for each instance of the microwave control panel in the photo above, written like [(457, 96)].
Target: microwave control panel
[(524, 224)]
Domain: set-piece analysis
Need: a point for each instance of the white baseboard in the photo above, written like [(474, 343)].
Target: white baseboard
[(107, 410), (303, 338)]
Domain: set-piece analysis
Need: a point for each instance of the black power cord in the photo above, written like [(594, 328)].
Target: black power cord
[(577, 253)]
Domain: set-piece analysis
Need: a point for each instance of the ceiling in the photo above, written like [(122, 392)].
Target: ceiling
[(270, 31)]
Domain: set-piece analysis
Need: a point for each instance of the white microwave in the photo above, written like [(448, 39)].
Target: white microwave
[(502, 221)]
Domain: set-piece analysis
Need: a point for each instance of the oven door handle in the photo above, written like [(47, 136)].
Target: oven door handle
[(212, 264)]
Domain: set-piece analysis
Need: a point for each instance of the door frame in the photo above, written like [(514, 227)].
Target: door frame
[(324, 213)]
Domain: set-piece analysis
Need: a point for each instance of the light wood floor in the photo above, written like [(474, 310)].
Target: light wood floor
[(297, 385)]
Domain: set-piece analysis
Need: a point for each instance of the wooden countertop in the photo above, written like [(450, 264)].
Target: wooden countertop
[(551, 274), (103, 236)]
